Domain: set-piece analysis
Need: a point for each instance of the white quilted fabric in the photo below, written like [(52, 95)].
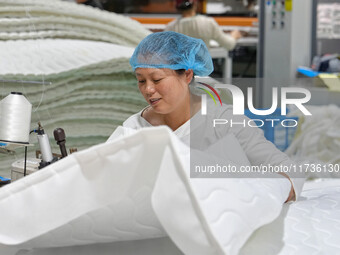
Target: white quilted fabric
[(308, 226), (97, 195), (113, 192), (103, 194), (215, 216), (38, 19)]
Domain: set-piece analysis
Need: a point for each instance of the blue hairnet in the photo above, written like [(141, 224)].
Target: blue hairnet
[(174, 51)]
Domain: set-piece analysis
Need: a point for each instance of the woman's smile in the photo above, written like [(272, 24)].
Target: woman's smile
[(154, 101)]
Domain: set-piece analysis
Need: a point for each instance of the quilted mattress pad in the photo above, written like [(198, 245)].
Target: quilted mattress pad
[(308, 226), (137, 186)]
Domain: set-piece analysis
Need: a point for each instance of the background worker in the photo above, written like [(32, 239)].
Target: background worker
[(198, 26)]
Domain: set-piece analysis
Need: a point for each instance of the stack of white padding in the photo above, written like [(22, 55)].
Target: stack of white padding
[(40, 19), (92, 90), (89, 82), (84, 53)]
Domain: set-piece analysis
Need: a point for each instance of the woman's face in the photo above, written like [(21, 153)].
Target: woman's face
[(164, 89)]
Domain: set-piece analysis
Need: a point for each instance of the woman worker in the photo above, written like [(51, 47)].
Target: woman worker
[(165, 64), (200, 26)]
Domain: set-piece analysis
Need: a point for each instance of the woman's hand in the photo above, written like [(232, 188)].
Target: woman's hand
[(236, 34)]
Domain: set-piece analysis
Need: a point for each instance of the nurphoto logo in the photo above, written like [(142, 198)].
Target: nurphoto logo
[(239, 102), (204, 98)]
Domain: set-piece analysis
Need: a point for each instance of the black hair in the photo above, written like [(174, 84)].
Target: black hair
[(185, 5), (180, 71)]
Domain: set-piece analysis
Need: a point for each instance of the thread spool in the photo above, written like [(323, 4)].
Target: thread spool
[(15, 118)]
